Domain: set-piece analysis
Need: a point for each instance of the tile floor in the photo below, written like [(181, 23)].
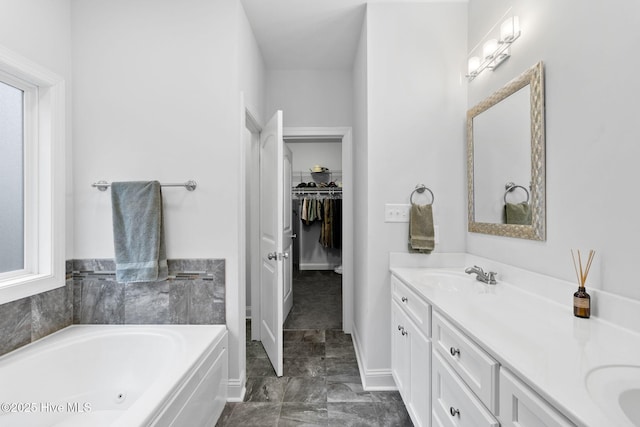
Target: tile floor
[(321, 383)]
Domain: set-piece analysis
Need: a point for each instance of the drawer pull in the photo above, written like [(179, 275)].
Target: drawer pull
[(405, 299), (454, 351), (400, 327), (453, 411), (404, 332)]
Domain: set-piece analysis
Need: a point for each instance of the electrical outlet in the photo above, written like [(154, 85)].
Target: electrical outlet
[(396, 213)]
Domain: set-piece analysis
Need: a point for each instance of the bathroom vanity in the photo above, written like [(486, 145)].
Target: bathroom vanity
[(466, 353)]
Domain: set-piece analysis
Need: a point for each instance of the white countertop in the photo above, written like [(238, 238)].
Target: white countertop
[(537, 339)]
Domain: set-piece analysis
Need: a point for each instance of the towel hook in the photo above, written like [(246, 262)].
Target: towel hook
[(420, 188), (510, 186)]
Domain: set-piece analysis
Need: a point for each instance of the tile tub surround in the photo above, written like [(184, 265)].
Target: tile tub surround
[(193, 294), (31, 318)]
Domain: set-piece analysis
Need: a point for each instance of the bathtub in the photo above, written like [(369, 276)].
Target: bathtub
[(121, 375)]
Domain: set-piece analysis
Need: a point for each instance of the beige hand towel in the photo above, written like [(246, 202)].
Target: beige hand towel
[(421, 234)]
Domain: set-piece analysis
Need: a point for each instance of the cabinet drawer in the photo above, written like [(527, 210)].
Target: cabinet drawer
[(453, 403), (522, 407), (417, 309), (478, 370)]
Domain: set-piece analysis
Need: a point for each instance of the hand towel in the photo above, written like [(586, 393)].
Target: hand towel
[(517, 213), (138, 232), (421, 234)]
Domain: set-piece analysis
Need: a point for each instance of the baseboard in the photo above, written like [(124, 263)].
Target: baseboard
[(236, 389), (317, 266), (372, 379)]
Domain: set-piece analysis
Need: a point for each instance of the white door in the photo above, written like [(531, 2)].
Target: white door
[(272, 239), (288, 235)]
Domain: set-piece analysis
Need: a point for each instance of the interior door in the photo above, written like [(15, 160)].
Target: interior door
[(288, 235), (272, 239)]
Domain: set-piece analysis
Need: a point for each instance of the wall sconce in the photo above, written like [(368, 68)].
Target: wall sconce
[(495, 51)]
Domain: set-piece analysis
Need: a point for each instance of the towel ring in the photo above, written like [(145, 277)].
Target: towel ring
[(510, 186), (420, 189)]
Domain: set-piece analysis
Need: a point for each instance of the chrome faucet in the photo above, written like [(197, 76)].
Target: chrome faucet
[(489, 278)]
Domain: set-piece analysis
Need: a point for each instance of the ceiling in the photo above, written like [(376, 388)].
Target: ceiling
[(309, 34)]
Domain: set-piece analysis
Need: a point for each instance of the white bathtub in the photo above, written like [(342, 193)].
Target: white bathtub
[(124, 375)]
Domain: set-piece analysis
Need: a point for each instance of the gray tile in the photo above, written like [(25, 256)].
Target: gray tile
[(255, 350), (342, 366), (393, 414), (352, 415), (386, 396), (178, 302), (265, 389), (337, 336), (101, 302), (254, 414), (303, 414), (304, 367), (226, 413), (306, 335), (258, 367), (308, 390), (201, 302), (50, 312), (94, 265), (340, 349), (146, 303), (303, 349), (15, 325), (345, 388)]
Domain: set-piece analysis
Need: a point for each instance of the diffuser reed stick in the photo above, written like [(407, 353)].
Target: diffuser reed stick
[(581, 299)]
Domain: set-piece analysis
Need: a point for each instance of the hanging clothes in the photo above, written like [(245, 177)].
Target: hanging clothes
[(331, 232)]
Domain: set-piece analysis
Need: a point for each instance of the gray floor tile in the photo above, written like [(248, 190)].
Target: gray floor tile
[(344, 388), (352, 415), (304, 349), (265, 389), (307, 390), (254, 414), (307, 335), (259, 367), (393, 414), (341, 366), (303, 414), (305, 367)]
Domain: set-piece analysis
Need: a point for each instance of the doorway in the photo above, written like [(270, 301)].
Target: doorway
[(251, 183)]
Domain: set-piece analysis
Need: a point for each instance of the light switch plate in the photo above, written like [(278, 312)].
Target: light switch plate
[(396, 213)]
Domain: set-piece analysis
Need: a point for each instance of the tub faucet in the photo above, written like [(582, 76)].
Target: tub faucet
[(489, 278)]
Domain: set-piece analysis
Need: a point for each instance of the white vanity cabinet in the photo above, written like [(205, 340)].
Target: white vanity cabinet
[(411, 353)]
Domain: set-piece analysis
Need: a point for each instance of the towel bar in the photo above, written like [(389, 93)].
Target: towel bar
[(189, 185), (420, 189)]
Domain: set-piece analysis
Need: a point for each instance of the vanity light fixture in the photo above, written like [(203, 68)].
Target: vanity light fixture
[(495, 51)]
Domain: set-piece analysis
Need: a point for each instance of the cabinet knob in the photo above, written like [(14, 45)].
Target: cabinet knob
[(454, 351), (404, 332), (453, 411), (400, 327), (405, 299)]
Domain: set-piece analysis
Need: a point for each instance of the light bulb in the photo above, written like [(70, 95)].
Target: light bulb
[(474, 64), (489, 48), (510, 29)]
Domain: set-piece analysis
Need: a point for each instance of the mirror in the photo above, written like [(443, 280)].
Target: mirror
[(506, 160)]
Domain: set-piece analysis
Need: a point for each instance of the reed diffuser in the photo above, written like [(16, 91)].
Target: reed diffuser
[(581, 299)]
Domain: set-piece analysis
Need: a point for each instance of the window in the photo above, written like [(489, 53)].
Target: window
[(11, 180), (32, 146)]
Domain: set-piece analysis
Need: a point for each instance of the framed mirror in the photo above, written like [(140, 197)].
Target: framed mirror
[(506, 160)]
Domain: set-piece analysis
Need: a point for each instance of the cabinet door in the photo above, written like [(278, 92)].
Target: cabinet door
[(400, 352), (522, 407), (420, 352)]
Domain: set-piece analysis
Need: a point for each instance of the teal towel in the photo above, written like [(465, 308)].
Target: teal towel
[(138, 232), (517, 213)]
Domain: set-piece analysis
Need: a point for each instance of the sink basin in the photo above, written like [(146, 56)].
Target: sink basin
[(616, 389), (448, 281)]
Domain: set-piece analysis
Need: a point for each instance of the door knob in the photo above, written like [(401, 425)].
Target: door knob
[(272, 255), (285, 255), (294, 235)]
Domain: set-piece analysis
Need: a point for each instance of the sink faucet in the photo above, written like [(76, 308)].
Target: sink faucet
[(489, 278)]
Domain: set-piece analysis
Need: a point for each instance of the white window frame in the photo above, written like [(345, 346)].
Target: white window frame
[(44, 187)]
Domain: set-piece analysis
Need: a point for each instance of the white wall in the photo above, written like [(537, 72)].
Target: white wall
[(40, 31), (310, 97), (308, 154), (416, 105), (157, 96), (591, 134)]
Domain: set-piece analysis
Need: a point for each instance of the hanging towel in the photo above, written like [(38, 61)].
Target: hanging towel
[(517, 213), (138, 232), (421, 234)]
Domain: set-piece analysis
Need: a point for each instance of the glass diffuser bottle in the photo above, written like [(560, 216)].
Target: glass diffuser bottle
[(581, 299)]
